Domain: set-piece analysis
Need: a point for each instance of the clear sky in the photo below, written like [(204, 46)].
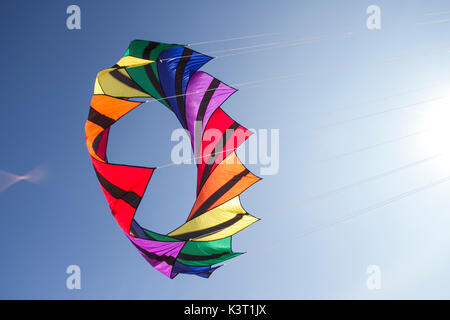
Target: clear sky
[(352, 136)]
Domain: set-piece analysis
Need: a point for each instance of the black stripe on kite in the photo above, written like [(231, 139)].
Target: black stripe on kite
[(187, 53), (100, 119), (129, 197), (196, 234), (126, 81), (149, 70), (201, 112), (96, 142), (167, 259), (219, 193), (212, 159), (192, 257), (151, 45)]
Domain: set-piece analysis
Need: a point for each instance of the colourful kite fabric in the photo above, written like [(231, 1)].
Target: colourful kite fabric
[(169, 73)]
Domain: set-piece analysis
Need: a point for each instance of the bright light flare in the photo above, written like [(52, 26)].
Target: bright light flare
[(436, 117)]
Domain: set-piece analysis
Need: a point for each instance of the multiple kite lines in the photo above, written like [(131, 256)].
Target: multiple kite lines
[(35, 175), (387, 173)]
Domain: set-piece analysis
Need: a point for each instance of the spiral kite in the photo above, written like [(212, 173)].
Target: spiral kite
[(168, 73)]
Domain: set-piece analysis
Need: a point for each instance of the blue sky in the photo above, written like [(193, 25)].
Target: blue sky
[(335, 122)]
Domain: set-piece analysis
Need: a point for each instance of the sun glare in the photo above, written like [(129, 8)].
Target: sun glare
[(435, 121)]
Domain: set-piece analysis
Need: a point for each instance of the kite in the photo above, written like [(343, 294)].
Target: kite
[(169, 74)]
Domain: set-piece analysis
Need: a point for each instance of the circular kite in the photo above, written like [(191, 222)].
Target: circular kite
[(169, 74)]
